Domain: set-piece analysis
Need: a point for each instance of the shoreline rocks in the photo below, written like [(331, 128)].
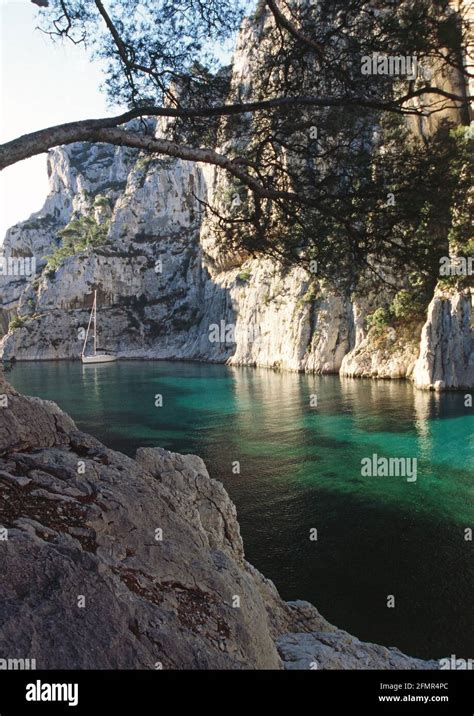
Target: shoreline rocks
[(446, 359), (113, 562)]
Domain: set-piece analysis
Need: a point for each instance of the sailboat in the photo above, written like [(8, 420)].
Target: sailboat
[(95, 357)]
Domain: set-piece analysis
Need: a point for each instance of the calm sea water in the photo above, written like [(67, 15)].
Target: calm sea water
[(300, 468)]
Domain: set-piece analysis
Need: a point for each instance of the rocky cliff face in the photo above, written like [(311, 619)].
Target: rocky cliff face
[(109, 562), (446, 356), (160, 291), (165, 291)]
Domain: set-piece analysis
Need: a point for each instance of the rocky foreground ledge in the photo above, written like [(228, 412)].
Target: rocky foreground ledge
[(112, 563)]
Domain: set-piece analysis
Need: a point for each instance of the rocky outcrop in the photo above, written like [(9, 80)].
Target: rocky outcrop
[(77, 175), (109, 562), (446, 357), (161, 295), (168, 290), (340, 650), (392, 354)]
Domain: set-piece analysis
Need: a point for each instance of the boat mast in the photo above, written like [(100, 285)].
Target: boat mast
[(87, 332), (94, 308)]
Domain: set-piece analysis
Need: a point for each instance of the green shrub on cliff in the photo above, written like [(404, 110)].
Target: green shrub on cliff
[(16, 322), (406, 305), (79, 235), (460, 236), (101, 202), (244, 276), (378, 320)]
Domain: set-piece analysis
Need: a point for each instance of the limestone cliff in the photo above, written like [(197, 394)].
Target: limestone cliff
[(165, 288), (447, 342), (114, 563)]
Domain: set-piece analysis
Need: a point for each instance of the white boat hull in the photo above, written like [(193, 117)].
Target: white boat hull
[(98, 359)]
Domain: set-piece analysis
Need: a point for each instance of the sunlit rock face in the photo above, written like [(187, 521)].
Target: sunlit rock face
[(167, 289), (446, 358)]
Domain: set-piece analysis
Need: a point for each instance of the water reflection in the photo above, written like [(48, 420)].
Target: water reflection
[(301, 468)]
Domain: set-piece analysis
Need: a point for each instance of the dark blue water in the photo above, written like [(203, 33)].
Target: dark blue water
[(300, 468)]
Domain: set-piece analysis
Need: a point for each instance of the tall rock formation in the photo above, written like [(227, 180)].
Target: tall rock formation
[(167, 290)]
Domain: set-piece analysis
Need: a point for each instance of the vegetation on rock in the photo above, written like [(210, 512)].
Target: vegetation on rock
[(79, 235)]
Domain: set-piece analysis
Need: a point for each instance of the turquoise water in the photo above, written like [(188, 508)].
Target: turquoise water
[(300, 468)]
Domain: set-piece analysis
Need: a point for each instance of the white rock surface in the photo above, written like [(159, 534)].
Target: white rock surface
[(446, 357)]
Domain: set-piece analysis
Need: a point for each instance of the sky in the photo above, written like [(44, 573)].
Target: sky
[(41, 84)]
